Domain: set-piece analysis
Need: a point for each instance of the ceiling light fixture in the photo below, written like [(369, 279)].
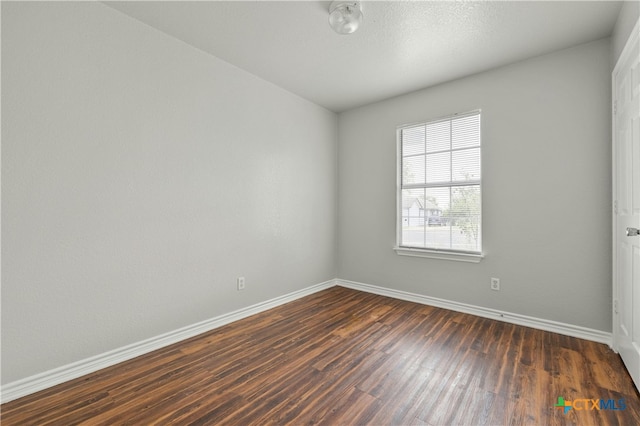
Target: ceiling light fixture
[(345, 16)]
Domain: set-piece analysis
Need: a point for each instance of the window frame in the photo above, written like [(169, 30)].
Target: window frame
[(434, 253)]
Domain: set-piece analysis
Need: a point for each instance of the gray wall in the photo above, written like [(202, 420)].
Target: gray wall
[(140, 177), (546, 189), (629, 14)]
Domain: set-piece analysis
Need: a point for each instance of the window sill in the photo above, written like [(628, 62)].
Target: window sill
[(436, 254)]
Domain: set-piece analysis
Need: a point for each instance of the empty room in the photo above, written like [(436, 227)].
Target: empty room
[(316, 212)]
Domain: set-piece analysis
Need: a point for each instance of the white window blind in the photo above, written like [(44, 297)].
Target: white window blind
[(439, 199)]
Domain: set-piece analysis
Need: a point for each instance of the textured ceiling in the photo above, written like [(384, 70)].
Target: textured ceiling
[(401, 46)]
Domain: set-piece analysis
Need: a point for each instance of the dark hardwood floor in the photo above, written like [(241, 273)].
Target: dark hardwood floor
[(346, 357)]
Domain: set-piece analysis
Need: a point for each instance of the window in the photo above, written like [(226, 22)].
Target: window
[(439, 191)]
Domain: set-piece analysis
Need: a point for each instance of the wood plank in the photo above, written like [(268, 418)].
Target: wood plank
[(345, 357)]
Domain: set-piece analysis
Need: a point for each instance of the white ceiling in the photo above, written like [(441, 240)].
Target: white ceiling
[(401, 46)]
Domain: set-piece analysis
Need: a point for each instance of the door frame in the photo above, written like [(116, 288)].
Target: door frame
[(626, 51)]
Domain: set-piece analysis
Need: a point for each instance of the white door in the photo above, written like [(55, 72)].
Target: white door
[(626, 186)]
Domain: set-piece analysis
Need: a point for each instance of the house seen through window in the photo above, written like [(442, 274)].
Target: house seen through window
[(439, 199)]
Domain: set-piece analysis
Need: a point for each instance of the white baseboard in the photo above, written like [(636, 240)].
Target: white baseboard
[(47, 379), (539, 323)]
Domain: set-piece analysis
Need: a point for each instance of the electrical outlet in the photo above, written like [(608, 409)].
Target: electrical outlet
[(495, 284), (240, 282)]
